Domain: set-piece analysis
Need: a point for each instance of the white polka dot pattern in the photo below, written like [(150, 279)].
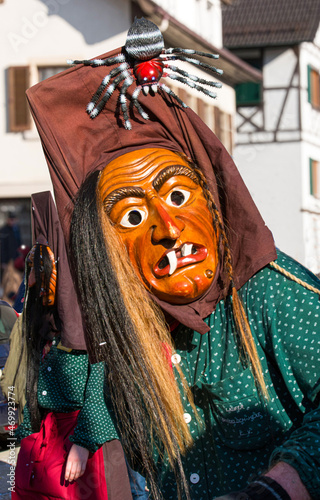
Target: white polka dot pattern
[(67, 382), (242, 431)]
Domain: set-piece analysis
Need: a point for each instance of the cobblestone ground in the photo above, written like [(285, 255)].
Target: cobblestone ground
[(6, 455)]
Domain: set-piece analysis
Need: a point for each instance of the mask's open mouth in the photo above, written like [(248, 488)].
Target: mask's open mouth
[(186, 254)]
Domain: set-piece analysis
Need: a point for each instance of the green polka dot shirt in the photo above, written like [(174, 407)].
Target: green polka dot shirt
[(68, 382), (241, 433)]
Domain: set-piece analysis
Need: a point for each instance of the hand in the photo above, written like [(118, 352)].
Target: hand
[(290, 481), (76, 462)]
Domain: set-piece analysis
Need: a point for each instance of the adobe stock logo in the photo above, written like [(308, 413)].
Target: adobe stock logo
[(30, 27)]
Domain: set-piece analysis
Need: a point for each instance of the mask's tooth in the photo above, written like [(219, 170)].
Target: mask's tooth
[(154, 88), (145, 89), (186, 249), (173, 261)]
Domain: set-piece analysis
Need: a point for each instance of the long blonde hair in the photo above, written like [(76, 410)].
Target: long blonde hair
[(127, 330)]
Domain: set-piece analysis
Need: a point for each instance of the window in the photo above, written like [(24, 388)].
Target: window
[(248, 94), (47, 71), (313, 87), (18, 83), (315, 178)]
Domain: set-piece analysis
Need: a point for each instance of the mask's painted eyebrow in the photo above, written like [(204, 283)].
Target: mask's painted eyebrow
[(120, 194), (171, 171)]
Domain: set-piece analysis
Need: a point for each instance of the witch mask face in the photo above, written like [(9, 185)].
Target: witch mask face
[(157, 206)]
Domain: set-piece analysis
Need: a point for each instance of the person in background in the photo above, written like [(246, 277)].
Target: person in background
[(10, 242), (211, 335), (66, 420), (10, 239)]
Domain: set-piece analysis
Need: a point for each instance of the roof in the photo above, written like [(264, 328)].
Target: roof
[(261, 23)]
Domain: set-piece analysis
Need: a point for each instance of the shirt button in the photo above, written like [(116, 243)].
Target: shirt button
[(49, 368), (194, 478), (53, 342), (44, 393), (187, 417), (176, 358)]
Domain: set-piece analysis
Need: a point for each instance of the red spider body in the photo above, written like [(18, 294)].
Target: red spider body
[(148, 72)]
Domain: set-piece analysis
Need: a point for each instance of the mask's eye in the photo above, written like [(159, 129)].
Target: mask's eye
[(178, 197), (133, 218)]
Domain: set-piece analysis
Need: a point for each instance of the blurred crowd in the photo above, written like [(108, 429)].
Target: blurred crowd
[(12, 258)]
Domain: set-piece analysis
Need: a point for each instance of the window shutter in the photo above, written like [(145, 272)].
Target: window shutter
[(314, 178), (216, 121), (230, 123), (185, 96), (309, 83), (201, 109), (313, 87), (18, 83), (311, 174), (248, 94)]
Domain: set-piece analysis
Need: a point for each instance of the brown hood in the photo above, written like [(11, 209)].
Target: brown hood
[(75, 145), (46, 229)]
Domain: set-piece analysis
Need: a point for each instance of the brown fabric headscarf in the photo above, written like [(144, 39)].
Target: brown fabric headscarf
[(46, 230), (75, 145)]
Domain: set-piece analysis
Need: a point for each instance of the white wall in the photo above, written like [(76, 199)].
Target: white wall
[(38, 32), (277, 173), (309, 55), (310, 209), (201, 16), (272, 173), (281, 90)]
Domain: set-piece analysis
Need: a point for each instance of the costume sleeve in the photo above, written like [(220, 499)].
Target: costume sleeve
[(94, 424), (292, 314), (24, 428)]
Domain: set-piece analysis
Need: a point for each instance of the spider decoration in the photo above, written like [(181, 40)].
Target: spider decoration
[(145, 59)]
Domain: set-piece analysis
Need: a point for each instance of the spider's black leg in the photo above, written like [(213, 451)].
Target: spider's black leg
[(171, 93), (137, 104), (191, 77), (120, 58), (123, 101), (190, 52), (195, 62), (102, 86), (101, 104), (192, 84)]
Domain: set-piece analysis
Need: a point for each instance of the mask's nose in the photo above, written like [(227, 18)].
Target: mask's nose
[(166, 226)]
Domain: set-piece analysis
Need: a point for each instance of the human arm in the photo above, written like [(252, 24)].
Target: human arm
[(292, 344), (289, 479), (94, 423), (282, 482), (284, 318), (24, 428)]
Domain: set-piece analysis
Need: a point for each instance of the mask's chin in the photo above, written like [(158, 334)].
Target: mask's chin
[(186, 291)]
